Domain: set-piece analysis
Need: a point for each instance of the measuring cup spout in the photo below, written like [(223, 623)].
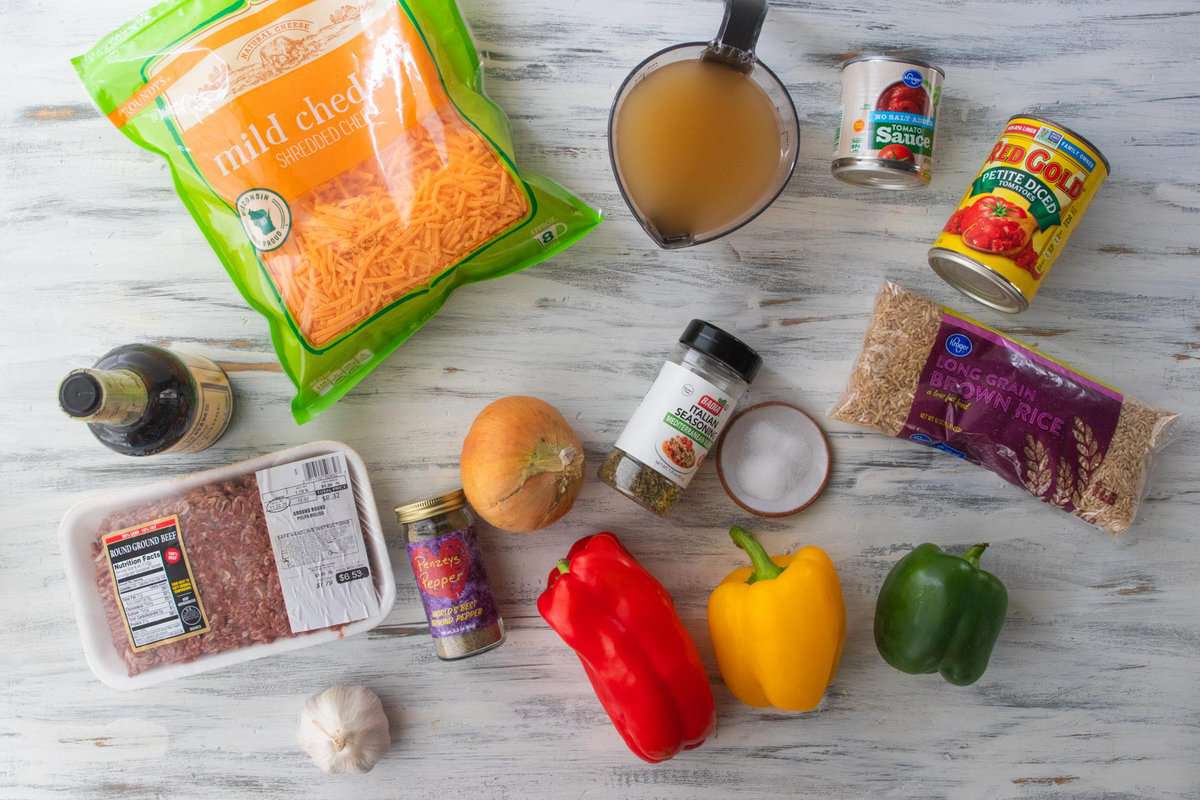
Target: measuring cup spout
[(738, 34)]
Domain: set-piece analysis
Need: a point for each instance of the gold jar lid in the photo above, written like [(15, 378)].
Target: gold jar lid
[(431, 507)]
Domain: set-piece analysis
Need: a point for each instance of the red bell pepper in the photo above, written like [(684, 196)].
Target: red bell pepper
[(641, 661)]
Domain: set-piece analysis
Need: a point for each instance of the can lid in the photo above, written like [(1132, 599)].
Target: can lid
[(79, 394), (977, 281), (916, 62), (879, 173), (430, 507), (1050, 121), (725, 347)]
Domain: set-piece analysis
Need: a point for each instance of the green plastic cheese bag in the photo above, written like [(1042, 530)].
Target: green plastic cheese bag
[(342, 160)]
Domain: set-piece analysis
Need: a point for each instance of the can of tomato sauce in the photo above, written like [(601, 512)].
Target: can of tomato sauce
[(1017, 214), (889, 108)]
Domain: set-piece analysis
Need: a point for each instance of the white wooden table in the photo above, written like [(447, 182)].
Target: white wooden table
[(1093, 689)]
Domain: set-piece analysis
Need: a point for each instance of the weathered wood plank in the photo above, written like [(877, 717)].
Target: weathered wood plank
[(1092, 691)]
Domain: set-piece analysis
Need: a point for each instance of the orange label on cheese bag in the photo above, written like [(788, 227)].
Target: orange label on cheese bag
[(328, 130)]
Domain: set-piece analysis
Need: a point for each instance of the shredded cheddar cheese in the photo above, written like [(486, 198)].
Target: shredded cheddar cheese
[(342, 160), (369, 236)]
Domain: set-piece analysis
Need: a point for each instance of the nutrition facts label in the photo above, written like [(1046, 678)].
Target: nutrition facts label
[(155, 592), (318, 542)]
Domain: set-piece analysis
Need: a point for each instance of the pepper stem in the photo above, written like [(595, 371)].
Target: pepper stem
[(764, 568), (972, 555), (564, 566)]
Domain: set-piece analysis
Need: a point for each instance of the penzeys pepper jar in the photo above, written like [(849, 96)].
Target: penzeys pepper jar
[(443, 549), (681, 417)]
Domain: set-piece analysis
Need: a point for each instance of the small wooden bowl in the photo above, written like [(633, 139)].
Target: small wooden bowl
[(817, 476)]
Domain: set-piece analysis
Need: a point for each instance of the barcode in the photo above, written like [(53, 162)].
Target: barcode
[(321, 468)]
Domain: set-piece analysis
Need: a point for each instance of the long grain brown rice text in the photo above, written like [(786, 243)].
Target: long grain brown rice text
[(882, 387)]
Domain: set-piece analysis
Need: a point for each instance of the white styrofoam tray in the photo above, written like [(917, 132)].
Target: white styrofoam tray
[(80, 527)]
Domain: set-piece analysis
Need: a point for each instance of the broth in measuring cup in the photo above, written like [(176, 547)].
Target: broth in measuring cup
[(702, 135), (697, 144)]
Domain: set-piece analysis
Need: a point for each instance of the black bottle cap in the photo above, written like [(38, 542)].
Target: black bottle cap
[(724, 347), (79, 394)]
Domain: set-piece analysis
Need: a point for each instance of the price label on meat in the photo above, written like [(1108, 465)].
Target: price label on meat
[(318, 542), (156, 593)]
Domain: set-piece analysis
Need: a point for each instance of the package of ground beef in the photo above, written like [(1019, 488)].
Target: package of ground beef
[(935, 377), (187, 575)]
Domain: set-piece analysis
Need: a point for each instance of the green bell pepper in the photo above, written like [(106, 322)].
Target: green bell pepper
[(939, 612)]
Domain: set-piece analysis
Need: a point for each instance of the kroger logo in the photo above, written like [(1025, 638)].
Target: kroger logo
[(912, 78), (923, 438), (959, 345)]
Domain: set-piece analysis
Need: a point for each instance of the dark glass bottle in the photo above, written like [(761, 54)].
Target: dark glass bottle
[(141, 400)]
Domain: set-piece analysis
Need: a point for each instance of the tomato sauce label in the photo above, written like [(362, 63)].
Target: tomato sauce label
[(452, 583), (1020, 209), (994, 402), (889, 109)]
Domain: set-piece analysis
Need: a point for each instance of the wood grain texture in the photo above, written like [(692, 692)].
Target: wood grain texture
[(1092, 692)]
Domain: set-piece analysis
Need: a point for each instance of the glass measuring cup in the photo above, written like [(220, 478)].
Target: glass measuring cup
[(733, 47)]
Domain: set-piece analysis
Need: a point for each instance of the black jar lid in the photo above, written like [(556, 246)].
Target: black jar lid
[(724, 347)]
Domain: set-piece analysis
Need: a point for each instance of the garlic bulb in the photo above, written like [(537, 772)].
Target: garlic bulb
[(344, 729)]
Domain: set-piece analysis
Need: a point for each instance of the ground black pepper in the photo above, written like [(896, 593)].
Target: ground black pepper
[(444, 552)]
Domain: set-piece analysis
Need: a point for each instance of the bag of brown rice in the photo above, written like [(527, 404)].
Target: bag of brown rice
[(938, 378)]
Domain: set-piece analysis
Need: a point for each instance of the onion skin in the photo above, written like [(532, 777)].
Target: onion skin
[(521, 464)]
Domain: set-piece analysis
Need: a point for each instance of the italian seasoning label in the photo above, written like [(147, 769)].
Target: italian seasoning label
[(156, 593), (677, 423), (453, 583), (995, 403)]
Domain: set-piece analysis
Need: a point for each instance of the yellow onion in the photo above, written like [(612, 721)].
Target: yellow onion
[(522, 465)]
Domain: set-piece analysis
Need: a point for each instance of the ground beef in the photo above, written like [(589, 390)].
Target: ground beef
[(229, 550)]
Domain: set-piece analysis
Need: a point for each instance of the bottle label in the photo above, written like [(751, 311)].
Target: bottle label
[(453, 583), (156, 595), (123, 397), (214, 404), (677, 423), (317, 540)]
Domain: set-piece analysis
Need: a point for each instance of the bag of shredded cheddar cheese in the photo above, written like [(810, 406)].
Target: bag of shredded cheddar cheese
[(342, 160)]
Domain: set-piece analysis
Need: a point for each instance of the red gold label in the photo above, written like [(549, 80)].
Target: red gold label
[(1020, 209)]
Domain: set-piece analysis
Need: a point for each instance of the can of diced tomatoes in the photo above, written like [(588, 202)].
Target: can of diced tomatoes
[(1017, 214), (889, 108)]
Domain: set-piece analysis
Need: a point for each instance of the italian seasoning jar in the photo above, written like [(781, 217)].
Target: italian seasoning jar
[(681, 417), (443, 549)]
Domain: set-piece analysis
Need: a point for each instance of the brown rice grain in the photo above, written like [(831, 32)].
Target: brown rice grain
[(883, 385)]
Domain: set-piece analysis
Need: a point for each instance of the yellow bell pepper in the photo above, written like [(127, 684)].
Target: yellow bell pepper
[(778, 626)]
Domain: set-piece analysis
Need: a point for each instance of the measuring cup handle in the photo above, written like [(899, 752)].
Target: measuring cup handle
[(739, 31)]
